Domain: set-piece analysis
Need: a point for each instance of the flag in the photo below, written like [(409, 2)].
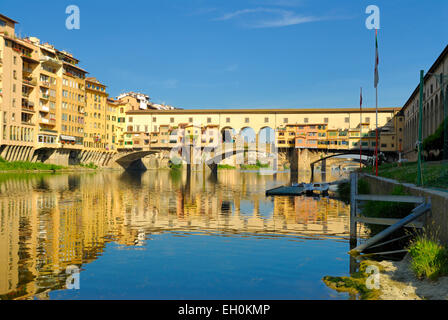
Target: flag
[(376, 59)]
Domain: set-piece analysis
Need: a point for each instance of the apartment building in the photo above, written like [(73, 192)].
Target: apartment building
[(96, 115), (434, 105), (17, 89), (112, 129)]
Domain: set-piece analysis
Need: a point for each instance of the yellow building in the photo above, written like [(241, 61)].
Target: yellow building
[(95, 129), (73, 102), (112, 129), (17, 92)]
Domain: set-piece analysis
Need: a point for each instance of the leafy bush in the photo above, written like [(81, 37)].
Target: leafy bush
[(435, 141), (91, 165)]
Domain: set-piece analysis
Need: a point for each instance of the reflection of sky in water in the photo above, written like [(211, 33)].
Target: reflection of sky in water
[(246, 208), (213, 267), (156, 236), (266, 209)]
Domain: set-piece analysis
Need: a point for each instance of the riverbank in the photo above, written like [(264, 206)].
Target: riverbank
[(39, 167), (435, 174), (398, 282)]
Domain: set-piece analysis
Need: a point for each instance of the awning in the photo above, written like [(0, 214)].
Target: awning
[(67, 138)]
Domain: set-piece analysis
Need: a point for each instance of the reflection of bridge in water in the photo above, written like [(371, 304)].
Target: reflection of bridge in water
[(51, 222)]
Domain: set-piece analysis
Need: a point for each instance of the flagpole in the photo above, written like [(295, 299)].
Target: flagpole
[(376, 101), (360, 130), (376, 131)]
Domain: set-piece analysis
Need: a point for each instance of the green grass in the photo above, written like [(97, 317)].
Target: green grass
[(256, 166), (435, 174), (25, 165), (90, 165), (225, 166), (429, 257)]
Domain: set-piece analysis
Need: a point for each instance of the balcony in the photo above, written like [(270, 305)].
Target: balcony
[(27, 70), (27, 106), (44, 84), (29, 81), (44, 108), (26, 94), (50, 61), (45, 96)]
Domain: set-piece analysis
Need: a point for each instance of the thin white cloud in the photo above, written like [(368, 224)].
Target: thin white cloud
[(270, 18)]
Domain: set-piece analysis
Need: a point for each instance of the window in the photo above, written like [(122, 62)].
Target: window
[(154, 119), (130, 118), (305, 120), (367, 120), (326, 120), (347, 120), (172, 120), (246, 120), (209, 120), (227, 120), (266, 120), (285, 120), (190, 119)]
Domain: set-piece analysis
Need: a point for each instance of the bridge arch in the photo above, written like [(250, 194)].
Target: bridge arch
[(248, 134), (352, 155), (228, 134), (266, 134)]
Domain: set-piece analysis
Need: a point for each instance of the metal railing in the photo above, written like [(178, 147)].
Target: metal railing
[(394, 224)]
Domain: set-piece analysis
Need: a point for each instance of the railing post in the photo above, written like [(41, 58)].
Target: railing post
[(353, 206)]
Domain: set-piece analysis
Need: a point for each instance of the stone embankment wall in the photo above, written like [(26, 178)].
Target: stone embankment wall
[(437, 219)]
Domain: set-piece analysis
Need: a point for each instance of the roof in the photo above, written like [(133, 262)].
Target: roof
[(73, 66), (7, 18), (431, 70), (260, 111), (94, 80)]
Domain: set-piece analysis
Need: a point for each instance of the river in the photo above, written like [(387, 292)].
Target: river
[(162, 235)]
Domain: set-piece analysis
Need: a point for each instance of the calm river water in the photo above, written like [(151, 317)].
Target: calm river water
[(159, 235)]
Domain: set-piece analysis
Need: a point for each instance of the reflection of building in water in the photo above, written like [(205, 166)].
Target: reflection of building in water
[(48, 223)]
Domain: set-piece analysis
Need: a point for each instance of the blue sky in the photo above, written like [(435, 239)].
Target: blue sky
[(246, 53)]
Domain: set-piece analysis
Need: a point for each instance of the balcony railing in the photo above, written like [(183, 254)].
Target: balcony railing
[(27, 107), (30, 81), (45, 108), (45, 96), (50, 60)]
